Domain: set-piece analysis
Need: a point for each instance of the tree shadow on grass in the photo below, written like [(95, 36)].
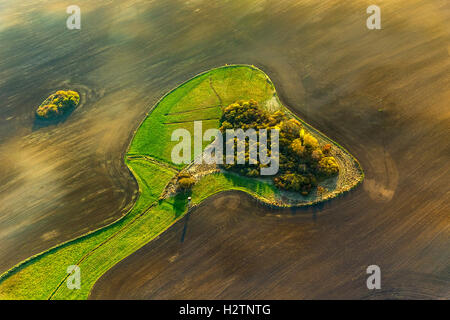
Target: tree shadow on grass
[(180, 202)]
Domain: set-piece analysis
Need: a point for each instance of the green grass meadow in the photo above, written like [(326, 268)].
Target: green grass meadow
[(196, 99)]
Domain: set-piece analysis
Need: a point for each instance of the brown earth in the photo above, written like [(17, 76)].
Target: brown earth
[(60, 181)]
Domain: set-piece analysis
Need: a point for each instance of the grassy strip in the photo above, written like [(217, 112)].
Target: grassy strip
[(135, 235)]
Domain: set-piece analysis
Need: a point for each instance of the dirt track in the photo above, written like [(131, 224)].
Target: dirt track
[(60, 181)]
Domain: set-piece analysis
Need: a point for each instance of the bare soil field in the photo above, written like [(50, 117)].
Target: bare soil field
[(57, 182), (233, 248)]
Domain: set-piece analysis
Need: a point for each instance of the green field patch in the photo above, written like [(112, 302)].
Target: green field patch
[(209, 113), (165, 150), (229, 83), (200, 96), (223, 181), (235, 84), (191, 110)]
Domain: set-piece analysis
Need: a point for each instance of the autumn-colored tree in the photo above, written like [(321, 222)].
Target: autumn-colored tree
[(301, 158), (310, 142), (58, 104), (185, 181), (328, 166), (295, 182), (321, 190), (326, 149), (298, 148), (316, 155)]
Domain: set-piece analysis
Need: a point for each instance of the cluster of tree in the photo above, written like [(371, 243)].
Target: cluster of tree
[(302, 161), (58, 104), (185, 181)]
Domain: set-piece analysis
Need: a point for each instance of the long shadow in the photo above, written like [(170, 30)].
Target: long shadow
[(179, 205), (42, 123), (183, 234), (180, 202)]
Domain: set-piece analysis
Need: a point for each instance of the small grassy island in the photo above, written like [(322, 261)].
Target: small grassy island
[(58, 104), (313, 168)]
